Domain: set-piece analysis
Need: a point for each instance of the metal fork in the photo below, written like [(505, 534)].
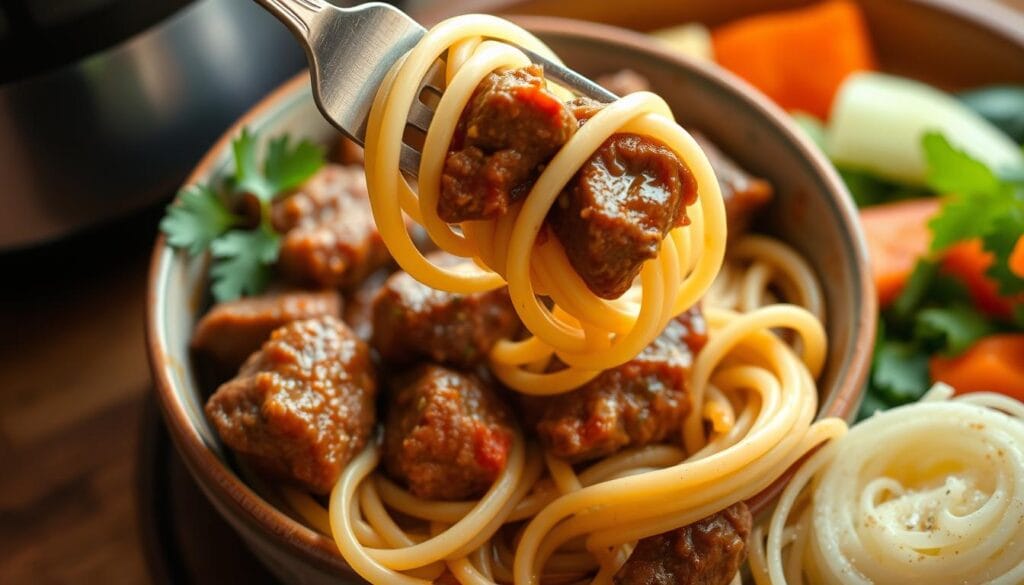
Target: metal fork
[(350, 50)]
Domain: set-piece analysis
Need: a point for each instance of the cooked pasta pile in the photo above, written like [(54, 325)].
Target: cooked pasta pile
[(931, 492), (542, 520), (585, 332)]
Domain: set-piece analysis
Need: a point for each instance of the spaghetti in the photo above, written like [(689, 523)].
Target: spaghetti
[(946, 506), (543, 520), (586, 333)]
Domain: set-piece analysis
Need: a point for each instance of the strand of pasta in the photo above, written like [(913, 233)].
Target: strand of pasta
[(756, 263), (587, 333), (948, 506), (675, 496)]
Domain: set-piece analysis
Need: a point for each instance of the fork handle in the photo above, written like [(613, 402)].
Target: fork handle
[(298, 15)]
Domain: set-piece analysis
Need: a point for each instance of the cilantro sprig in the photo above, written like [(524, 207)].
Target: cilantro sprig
[(203, 217), (935, 314), (979, 204)]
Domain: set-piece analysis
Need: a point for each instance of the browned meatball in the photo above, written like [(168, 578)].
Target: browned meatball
[(707, 552), (302, 406), (510, 128), (358, 312), (743, 194), (230, 331), (615, 212), (330, 239), (412, 320), (447, 434), (641, 402)]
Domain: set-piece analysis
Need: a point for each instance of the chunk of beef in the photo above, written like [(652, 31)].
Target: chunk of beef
[(412, 320), (641, 402), (707, 552), (744, 194), (624, 82), (615, 212), (330, 239), (358, 312), (230, 331), (511, 127), (447, 434), (302, 406)]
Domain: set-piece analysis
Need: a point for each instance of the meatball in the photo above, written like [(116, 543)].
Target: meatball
[(358, 312), (302, 406), (743, 194), (511, 127), (412, 320), (230, 331), (618, 208), (707, 552), (330, 239), (447, 434), (641, 402)]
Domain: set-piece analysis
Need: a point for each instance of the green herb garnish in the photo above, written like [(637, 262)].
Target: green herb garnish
[(202, 218)]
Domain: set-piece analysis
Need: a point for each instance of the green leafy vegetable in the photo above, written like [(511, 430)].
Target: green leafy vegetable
[(951, 170), (980, 205), (935, 313), (242, 262), (867, 189), (951, 330), (1000, 240), (197, 219), (283, 168), (201, 218), (900, 373)]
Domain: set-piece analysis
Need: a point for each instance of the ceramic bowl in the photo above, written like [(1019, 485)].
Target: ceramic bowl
[(812, 212)]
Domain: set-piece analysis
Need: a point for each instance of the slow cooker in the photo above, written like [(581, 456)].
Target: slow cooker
[(105, 104)]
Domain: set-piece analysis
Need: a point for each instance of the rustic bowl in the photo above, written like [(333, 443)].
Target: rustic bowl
[(954, 44), (812, 212)]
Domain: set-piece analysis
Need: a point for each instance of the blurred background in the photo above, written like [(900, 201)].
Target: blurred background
[(105, 105)]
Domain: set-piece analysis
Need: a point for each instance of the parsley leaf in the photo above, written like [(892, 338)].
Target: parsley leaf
[(196, 219), (283, 169), (976, 195), (1006, 230), (242, 261), (951, 330), (201, 217), (951, 170), (286, 169), (900, 372)]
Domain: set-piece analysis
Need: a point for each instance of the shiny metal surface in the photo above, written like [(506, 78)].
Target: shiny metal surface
[(118, 130), (350, 51)]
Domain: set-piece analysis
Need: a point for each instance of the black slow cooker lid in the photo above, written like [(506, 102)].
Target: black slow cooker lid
[(39, 35)]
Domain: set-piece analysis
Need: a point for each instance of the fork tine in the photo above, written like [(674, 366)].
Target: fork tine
[(570, 79), (409, 160), (420, 115), (435, 78)]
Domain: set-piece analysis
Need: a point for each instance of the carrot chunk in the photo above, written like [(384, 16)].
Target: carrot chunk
[(995, 363), (897, 236), (798, 57)]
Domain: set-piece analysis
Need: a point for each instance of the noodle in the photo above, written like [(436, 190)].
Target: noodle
[(587, 333), (946, 506), (544, 520)]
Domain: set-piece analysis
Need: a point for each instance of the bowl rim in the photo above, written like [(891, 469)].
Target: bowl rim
[(228, 491)]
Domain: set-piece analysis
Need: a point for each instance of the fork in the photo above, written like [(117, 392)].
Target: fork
[(350, 50)]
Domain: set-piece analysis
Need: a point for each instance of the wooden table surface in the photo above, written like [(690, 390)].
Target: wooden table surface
[(73, 379)]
